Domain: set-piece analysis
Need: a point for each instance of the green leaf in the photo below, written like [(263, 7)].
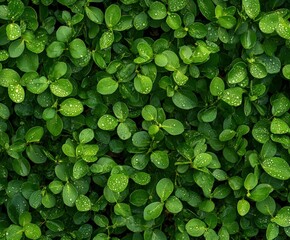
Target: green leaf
[(28, 62), (217, 86), (157, 10), (251, 7), (164, 188), (94, 14), (185, 100), (258, 70), (272, 231), (282, 218), (286, 71), (77, 48), (153, 211), (112, 15), (69, 194), (149, 113), (278, 126), (37, 85), (80, 169), (61, 87), (173, 205), (243, 207), (283, 28), (16, 48), (106, 39), (174, 21), (86, 135), (4, 111), (145, 51), (160, 159), (173, 127), (8, 77), (202, 160), (143, 84), (267, 206), (16, 93), (83, 203), (118, 182), (251, 181), (13, 31), (34, 134), (197, 30), (123, 209), (175, 6), (55, 125), (64, 34), (248, 39), (260, 192), (276, 167), (233, 96), (71, 107), (107, 122), (107, 86), (21, 166), (14, 232), (207, 8), (269, 22), (238, 73), (55, 49), (195, 227)]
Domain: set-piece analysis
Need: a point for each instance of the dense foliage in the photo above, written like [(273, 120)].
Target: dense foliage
[(143, 119)]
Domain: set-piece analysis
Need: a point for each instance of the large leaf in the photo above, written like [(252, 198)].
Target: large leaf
[(276, 167)]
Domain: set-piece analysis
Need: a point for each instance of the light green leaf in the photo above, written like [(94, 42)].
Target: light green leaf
[(77, 48), (160, 159), (153, 211), (195, 227), (164, 188), (69, 194), (157, 10), (61, 87), (278, 126), (107, 86), (80, 169), (16, 93), (233, 96), (269, 22), (71, 107), (238, 73), (107, 122), (16, 48), (143, 84), (83, 203), (34, 134), (106, 39), (282, 218), (251, 7), (173, 126), (94, 14), (13, 31), (112, 15), (118, 182), (243, 207), (173, 205), (202, 160), (217, 86), (276, 167)]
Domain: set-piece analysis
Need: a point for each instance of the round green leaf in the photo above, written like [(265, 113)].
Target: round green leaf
[(64, 34), (157, 10), (13, 31), (61, 87), (267, 206), (32, 231), (272, 231), (55, 186), (149, 113), (48, 200), (195, 227), (107, 39), (278, 126), (197, 30), (37, 84), (153, 211), (184, 100), (277, 168), (8, 77), (112, 15), (217, 86), (258, 70), (34, 134), (175, 6), (69, 194), (83, 203), (164, 188), (286, 71), (94, 14), (202, 160), (248, 39), (16, 48), (243, 207), (123, 131), (55, 49), (283, 28), (4, 111), (86, 135), (251, 7), (141, 178), (160, 159), (107, 86), (238, 73), (173, 126), (173, 205), (174, 21), (269, 22), (118, 182), (80, 169), (21, 166), (77, 48), (71, 107), (55, 125), (140, 21), (282, 218), (143, 84), (16, 93), (233, 96), (107, 122)]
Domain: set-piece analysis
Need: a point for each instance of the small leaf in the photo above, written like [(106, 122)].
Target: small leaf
[(94, 14), (61, 87), (202, 160), (107, 86), (217, 86), (173, 205), (80, 169), (77, 48), (118, 182), (112, 15), (164, 188), (243, 207), (69, 194), (173, 126), (157, 10), (272, 231), (64, 34), (160, 159), (233, 96), (16, 93), (143, 84), (251, 7), (13, 31), (107, 122), (32, 231), (106, 39), (238, 73), (175, 6), (282, 218), (195, 227), (278, 126), (83, 203), (153, 211), (34, 134), (269, 22), (207, 9), (149, 113), (185, 100), (86, 135), (286, 71), (71, 107), (55, 49), (276, 167)]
